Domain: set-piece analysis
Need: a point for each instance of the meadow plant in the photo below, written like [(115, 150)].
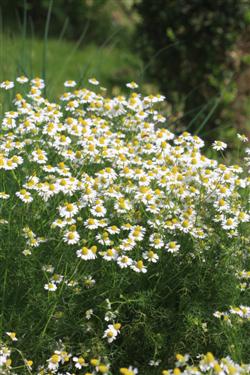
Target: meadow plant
[(122, 244)]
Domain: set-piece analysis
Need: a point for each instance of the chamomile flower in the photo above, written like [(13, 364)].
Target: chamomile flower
[(4, 195), (70, 83), (79, 362), (181, 360), (113, 229), (24, 195), (89, 282), (26, 252), (38, 83), (91, 223), (138, 266), (28, 363), (72, 105), (242, 137), (127, 244), (71, 237), (172, 247), (243, 217), (103, 239), (124, 261), (154, 363), (110, 254), (137, 233), (207, 362), (51, 287), (87, 254), (156, 241), (150, 256), (22, 79), (69, 210), (128, 371), (241, 311), (98, 210), (229, 223), (39, 156), (132, 85), (7, 85), (56, 278), (110, 316), (12, 335), (48, 268), (53, 361), (93, 81), (112, 332), (88, 314), (219, 146)]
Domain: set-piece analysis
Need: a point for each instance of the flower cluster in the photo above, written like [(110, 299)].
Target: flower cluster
[(32, 240), (208, 364), (244, 277), (240, 314), (5, 361), (93, 187), (108, 172), (63, 362)]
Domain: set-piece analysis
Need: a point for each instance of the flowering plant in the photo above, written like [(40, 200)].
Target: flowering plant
[(105, 210)]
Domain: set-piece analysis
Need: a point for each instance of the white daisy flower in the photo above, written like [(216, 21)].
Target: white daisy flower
[(132, 85), (79, 362), (51, 287), (69, 210), (22, 79), (242, 137), (70, 83), (172, 247), (111, 332), (93, 81), (219, 146), (24, 195), (150, 256), (89, 313), (86, 254), (71, 237), (7, 85), (138, 267), (12, 335), (124, 261)]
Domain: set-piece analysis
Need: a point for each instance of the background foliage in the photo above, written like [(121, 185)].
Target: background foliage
[(196, 53), (67, 16), (188, 47)]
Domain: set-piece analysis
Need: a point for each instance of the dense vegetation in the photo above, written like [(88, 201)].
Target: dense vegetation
[(188, 47), (120, 241), (124, 222)]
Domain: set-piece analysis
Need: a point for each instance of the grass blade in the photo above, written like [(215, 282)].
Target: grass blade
[(45, 46), (217, 101)]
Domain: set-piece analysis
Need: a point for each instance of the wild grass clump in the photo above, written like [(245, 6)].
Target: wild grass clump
[(122, 244)]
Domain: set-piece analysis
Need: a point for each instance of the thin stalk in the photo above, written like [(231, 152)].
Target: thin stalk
[(217, 101), (45, 45), (64, 28), (67, 61), (24, 33)]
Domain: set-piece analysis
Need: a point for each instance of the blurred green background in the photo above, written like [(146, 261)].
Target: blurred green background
[(196, 53)]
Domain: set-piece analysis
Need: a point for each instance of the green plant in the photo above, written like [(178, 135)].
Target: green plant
[(121, 243)]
